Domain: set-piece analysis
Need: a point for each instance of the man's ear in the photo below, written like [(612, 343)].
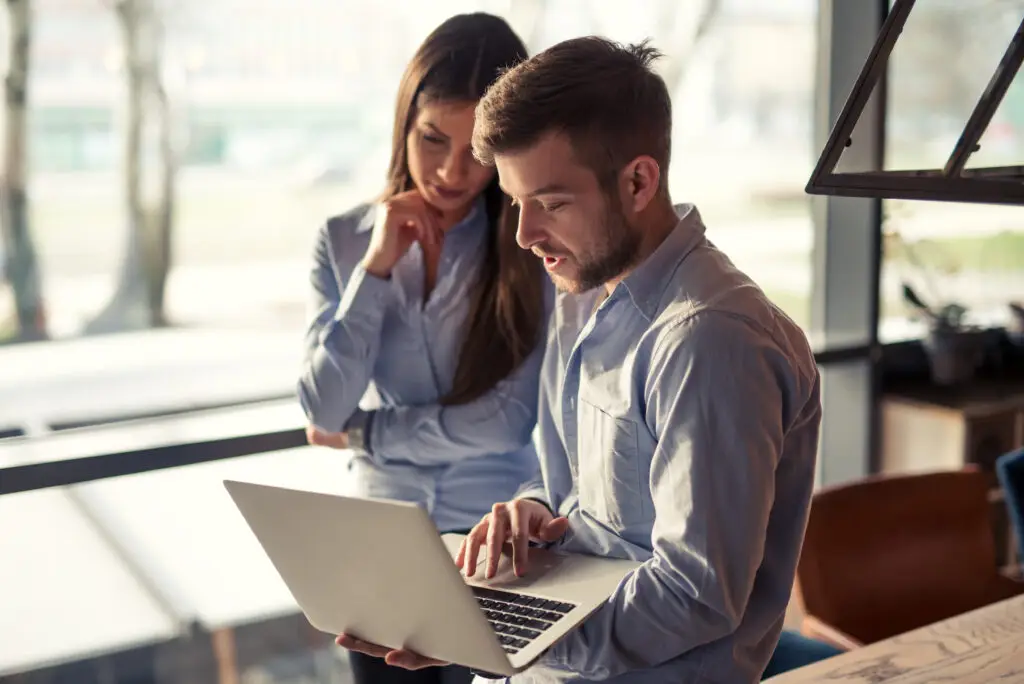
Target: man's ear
[(639, 182)]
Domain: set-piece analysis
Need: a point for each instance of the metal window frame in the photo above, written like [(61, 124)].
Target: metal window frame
[(953, 182)]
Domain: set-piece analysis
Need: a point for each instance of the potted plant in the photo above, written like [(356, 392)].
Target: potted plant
[(954, 348)]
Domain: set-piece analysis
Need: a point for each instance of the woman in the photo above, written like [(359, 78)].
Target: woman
[(425, 298)]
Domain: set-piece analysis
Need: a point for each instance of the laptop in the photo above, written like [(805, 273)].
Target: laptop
[(379, 571)]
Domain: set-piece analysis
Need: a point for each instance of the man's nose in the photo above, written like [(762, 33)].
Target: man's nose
[(528, 233)]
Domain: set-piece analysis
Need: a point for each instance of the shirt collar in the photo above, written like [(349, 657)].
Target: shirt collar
[(647, 282), (476, 218)]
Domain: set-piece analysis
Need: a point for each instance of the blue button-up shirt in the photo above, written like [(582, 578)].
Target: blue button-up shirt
[(678, 426), (375, 341)]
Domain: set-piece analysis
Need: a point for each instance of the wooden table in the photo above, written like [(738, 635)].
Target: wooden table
[(983, 646)]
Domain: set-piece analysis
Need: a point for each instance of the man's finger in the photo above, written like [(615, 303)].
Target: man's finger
[(496, 538), (360, 646), (519, 527), (553, 530), (410, 661), (460, 557), (473, 542)]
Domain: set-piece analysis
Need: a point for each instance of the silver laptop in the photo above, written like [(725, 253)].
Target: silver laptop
[(379, 571)]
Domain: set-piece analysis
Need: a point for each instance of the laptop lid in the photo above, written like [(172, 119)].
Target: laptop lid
[(401, 590)]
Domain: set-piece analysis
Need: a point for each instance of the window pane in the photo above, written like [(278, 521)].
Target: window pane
[(965, 254), (844, 448), (932, 90), (280, 116)]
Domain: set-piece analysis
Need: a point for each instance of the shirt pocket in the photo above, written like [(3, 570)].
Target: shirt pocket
[(611, 485)]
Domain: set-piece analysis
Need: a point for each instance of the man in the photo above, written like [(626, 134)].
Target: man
[(679, 408)]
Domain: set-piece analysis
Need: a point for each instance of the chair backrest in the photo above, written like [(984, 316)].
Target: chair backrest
[(888, 554), (1010, 470)]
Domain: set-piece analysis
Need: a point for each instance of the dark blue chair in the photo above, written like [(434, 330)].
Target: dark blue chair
[(1010, 471), (795, 650)]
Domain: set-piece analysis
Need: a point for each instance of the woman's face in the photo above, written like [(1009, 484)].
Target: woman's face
[(440, 156)]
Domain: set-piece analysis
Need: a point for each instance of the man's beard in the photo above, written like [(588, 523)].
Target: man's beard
[(617, 247)]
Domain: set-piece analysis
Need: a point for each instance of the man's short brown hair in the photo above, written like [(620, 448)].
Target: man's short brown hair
[(604, 96)]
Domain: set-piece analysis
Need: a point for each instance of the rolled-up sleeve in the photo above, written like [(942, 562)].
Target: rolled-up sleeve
[(714, 393), (342, 341)]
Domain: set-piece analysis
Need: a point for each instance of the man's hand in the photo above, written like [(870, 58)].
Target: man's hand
[(518, 521), (396, 657), (335, 440)]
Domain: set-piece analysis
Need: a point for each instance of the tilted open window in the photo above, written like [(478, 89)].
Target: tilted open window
[(978, 166)]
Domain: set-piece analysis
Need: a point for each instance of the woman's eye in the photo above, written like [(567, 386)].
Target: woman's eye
[(433, 139)]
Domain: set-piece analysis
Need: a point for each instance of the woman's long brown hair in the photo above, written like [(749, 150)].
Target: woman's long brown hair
[(456, 63)]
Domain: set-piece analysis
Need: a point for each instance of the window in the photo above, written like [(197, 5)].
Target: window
[(275, 128), (966, 254), (280, 116)]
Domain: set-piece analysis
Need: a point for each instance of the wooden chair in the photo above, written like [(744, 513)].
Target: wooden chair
[(889, 554)]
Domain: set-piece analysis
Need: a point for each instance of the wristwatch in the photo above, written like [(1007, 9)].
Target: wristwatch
[(358, 430), (488, 675)]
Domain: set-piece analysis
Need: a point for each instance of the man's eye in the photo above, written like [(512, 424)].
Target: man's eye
[(553, 206)]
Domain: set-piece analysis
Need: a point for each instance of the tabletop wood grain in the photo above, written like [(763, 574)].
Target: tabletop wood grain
[(981, 647)]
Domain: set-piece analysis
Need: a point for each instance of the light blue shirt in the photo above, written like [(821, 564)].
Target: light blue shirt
[(678, 426), (379, 335)]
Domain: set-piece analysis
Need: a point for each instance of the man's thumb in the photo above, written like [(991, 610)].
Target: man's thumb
[(553, 529)]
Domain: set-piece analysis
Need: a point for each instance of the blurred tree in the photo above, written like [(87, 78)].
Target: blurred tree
[(20, 262), (138, 300), (680, 31)]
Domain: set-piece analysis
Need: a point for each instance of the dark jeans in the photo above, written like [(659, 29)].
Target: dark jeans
[(795, 650), (369, 670)]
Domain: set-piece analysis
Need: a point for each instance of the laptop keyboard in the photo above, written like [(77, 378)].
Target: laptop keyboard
[(516, 618)]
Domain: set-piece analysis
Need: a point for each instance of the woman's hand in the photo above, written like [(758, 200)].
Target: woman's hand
[(335, 440), (401, 220)]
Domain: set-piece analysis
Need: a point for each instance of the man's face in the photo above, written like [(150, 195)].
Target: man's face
[(565, 217)]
